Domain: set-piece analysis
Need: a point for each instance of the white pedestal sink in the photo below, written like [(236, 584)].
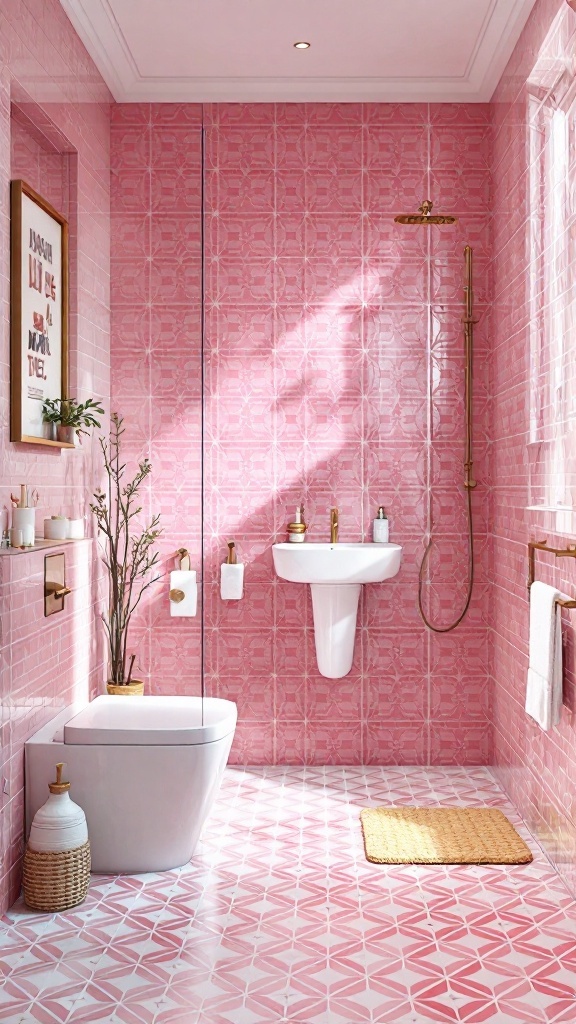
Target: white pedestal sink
[(336, 573)]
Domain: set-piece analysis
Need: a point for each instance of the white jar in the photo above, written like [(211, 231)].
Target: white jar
[(75, 529), (60, 824), (25, 519), (56, 528)]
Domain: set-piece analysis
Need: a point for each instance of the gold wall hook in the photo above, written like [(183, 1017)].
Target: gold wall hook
[(184, 559)]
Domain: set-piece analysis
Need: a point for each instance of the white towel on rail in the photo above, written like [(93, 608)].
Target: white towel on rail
[(544, 683)]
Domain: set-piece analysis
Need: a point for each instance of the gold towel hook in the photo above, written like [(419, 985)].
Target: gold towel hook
[(184, 559)]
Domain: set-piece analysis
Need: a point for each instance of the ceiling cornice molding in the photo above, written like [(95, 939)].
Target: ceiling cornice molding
[(100, 32), (98, 29), (500, 33)]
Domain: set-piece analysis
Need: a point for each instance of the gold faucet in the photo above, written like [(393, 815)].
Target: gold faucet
[(333, 525)]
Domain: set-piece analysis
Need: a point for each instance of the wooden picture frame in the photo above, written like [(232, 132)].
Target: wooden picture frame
[(39, 282)]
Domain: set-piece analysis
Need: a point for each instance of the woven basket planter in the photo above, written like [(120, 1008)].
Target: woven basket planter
[(56, 881), (133, 689)]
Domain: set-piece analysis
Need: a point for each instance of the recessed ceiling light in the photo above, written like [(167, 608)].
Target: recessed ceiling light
[(302, 46)]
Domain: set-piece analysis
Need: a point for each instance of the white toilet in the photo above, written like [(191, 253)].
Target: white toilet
[(145, 770)]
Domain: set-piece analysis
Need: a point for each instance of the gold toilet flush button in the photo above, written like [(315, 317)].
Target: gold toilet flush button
[(55, 589), (177, 596)]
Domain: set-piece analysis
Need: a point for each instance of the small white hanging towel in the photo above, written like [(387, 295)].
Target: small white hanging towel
[(544, 683), (231, 581)]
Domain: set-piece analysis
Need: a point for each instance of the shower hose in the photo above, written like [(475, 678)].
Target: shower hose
[(469, 483)]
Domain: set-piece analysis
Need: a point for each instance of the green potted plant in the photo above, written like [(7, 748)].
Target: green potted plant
[(128, 555), (71, 419)]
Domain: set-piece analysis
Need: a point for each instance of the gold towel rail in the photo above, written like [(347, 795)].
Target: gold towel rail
[(541, 545)]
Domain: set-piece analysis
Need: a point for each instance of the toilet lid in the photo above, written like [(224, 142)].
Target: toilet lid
[(160, 721)]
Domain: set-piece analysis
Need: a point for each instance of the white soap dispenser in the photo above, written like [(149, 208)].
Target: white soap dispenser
[(60, 824), (380, 531)]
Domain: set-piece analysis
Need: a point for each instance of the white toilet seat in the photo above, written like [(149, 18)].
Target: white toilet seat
[(158, 721)]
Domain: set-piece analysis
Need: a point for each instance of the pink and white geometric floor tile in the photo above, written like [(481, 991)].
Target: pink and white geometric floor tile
[(279, 919)]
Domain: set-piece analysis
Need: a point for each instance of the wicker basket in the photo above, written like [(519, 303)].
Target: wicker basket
[(56, 881), (133, 689)]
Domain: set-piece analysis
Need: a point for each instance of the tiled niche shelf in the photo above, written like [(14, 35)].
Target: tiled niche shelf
[(42, 545)]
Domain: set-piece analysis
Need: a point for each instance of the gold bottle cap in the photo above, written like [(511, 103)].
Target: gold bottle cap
[(296, 527), (59, 786)]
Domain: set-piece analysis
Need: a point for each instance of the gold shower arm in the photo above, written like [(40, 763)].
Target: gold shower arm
[(425, 216)]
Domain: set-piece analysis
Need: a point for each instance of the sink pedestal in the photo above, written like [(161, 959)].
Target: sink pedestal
[(335, 573), (335, 609)]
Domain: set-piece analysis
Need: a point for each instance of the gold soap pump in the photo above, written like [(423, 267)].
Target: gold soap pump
[(297, 529)]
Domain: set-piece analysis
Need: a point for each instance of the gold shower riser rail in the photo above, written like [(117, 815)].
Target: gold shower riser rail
[(541, 545)]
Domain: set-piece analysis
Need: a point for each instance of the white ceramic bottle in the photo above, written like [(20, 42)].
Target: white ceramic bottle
[(380, 531), (60, 824)]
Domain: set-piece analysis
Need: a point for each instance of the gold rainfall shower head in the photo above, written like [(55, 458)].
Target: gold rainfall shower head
[(425, 216)]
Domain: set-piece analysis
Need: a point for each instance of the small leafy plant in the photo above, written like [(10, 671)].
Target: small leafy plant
[(68, 413), (128, 557)]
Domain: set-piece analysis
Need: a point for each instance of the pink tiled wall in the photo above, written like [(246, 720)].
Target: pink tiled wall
[(156, 355), (54, 131), (533, 384), (34, 161), (333, 375)]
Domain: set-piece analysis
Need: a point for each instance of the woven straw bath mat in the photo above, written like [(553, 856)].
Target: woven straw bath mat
[(441, 835)]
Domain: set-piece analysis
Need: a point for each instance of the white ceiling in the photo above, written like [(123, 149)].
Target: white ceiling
[(242, 50)]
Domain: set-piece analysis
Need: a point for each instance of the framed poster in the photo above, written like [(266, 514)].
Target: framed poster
[(38, 313)]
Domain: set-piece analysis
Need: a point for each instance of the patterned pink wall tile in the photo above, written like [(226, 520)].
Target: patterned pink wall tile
[(57, 140), (290, 703), (254, 742), (318, 356), (395, 742), (461, 742), (395, 697), (289, 742)]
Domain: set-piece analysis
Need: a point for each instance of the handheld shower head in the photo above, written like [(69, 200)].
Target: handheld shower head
[(425, 216)]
